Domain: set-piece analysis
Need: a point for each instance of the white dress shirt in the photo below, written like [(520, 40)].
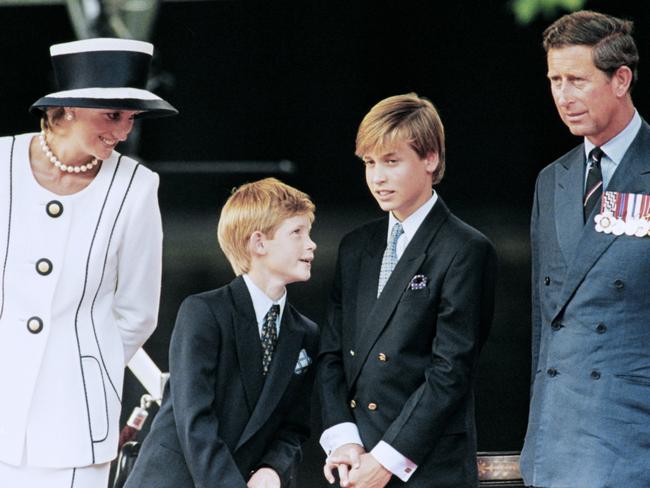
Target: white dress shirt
[(348, 432), (614, 149), (411, 224), (262, 303)]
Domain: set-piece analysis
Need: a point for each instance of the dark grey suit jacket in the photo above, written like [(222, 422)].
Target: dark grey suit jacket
[(589, 422), (412, 353), (219, 418)]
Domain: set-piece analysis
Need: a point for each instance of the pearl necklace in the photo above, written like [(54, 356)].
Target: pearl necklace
[(64, 167)]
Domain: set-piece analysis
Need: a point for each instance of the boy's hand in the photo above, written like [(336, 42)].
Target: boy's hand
[(343, 458), (370, 474), (265, 478)]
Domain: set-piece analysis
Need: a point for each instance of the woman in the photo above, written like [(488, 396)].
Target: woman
[(80, 265)]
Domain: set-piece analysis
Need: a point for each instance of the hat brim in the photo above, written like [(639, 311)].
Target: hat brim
[(151, 105)]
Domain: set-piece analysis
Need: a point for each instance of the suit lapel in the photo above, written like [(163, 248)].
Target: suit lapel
[(249, 347), (631, 176), (414, 255), (568, 203), (283, 363), (369, 272)]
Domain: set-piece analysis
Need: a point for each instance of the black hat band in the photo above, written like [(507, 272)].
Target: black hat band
[(104, 69)]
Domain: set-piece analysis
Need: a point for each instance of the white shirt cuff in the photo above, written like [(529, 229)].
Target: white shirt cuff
[(393, 461), (339, 434)]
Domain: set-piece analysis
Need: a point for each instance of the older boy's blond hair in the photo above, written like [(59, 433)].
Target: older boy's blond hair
[(407, 118), (259, 206)]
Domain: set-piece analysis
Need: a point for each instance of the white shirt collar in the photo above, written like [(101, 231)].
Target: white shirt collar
[(412, 223), (617, 146), (262, 303)]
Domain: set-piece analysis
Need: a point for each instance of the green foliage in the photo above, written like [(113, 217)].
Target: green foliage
[(526, 10)]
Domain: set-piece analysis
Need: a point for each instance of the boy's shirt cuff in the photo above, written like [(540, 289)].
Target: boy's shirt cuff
[(338, 435), (393, 461)]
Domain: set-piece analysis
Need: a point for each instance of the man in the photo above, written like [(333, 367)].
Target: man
[(410, 308), (589, 423)]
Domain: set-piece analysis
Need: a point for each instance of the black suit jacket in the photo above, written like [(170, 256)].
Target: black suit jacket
[(219, 418), (400, 366)]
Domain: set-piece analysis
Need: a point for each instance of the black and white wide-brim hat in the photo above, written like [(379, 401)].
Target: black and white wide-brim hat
[(103, 73)]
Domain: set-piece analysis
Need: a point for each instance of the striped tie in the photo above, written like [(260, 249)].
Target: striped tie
[(594, 186), (389, 261)]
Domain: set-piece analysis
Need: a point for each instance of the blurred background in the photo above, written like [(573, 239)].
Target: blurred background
[(279, 87)]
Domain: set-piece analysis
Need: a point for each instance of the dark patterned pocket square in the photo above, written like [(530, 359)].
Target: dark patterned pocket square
[(418, 282)]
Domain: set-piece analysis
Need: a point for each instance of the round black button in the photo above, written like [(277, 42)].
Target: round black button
[(595, 375), (619, 284), (54, 209), (44, 266), (552, 372), (601, 328), (547, 280), (34, 325), (555, 325)]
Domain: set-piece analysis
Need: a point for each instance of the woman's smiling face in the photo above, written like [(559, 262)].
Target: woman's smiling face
[(96, 132)]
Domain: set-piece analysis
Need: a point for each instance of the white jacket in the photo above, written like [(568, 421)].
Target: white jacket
[(68, 327)]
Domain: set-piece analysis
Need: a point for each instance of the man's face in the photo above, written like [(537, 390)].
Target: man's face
[(399, 179), (585, 97)]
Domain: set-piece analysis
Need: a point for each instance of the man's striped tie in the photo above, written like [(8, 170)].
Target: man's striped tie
[(594, 186)]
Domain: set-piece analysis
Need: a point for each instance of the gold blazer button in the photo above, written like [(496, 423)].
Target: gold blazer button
[(353, 404), (382, 357)]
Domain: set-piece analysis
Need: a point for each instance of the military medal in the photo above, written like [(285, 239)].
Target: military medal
[(604, 222), (624, 213), (642, 228)]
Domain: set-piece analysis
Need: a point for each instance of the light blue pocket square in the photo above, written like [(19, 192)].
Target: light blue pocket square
[(303, 362)]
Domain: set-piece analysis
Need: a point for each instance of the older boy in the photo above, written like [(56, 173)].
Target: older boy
[(410, 308), (236, 408)]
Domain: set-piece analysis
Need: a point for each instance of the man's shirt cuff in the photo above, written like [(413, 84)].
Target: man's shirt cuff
[(339, 434), (393, 461)]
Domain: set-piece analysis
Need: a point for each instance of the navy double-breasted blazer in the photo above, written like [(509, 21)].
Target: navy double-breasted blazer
[(589, 423), (401, 366), (219, 418)]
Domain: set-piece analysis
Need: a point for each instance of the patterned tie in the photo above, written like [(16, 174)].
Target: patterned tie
[(389, 261), (594, 186), (269, 336)]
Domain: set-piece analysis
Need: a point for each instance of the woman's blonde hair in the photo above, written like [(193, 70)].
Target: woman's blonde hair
[(50, 116)]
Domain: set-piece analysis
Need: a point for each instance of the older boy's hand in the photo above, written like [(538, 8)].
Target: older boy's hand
[(265, 478), (369, 474), (343, 459)]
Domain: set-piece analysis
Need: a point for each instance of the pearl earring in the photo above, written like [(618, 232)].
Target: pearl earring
[(68, 116)]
